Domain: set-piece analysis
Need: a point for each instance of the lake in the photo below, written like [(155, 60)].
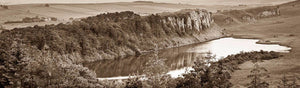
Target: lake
[(179, 59)]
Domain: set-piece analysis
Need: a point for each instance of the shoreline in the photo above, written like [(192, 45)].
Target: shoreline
[(260, 39), (180, 73), (206, 35)]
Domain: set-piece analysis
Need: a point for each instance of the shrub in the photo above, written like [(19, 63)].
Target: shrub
[(134, 83), (155, 72), (5, 7), (288, 83), (47, 5)]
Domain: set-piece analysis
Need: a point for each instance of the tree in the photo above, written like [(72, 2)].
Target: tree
[(12, 64), (47, 5), (5, 7), (197, 77), (155, 71), (219, 76), (257, 73), (134, 83), (206, 74), (286, 83)]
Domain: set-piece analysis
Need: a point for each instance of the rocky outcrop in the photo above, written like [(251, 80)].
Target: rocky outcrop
[(248, 18), (269, 13), (189, 20), (263, 12), (245, 16), (228, 20)]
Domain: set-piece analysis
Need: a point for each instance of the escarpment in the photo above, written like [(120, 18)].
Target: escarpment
[(232, 17), (51, 55), (263, 12), (189, 20)]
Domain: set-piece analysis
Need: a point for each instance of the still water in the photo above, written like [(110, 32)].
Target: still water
[(179, 59)]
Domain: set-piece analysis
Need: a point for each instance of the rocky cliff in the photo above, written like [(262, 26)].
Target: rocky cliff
[(189, 20), (51, 55)]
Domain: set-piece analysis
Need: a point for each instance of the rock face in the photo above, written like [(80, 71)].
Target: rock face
[(189, 20), (269, 13), (248, 18)]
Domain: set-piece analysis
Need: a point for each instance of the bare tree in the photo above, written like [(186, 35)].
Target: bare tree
[(286, 83), (257, 73)]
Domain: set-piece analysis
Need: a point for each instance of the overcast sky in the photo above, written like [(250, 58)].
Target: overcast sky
[(196, 2)]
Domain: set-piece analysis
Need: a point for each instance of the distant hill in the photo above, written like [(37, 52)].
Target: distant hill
[(194, 2), (143, 1), (66, 11)]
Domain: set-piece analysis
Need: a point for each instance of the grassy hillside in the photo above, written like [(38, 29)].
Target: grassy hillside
[(65, 11), (233, 17), (283, 29)]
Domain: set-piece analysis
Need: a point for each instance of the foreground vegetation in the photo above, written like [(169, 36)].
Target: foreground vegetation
[(206, 73)]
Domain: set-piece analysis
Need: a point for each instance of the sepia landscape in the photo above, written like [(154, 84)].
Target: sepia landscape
[(149, 44)]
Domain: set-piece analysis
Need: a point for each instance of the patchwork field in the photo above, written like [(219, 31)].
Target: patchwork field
[(66, 11)]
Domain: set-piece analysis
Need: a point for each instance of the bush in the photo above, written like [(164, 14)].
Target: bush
[(213, 76), (134, 83), (47, 5), (4, 6)]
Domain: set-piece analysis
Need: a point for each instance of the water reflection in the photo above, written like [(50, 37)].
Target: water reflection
[(129, 65), (180, 58)]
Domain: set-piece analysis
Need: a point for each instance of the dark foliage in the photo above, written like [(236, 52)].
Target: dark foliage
[(4, 6), (11, 63), (47, 5), (217, 75), (134, 83)]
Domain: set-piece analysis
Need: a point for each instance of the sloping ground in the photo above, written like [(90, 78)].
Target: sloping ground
[(65, 11), (233, 17), (283, 28)]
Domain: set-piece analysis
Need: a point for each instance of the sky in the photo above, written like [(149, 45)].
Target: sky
[(194, 2)]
